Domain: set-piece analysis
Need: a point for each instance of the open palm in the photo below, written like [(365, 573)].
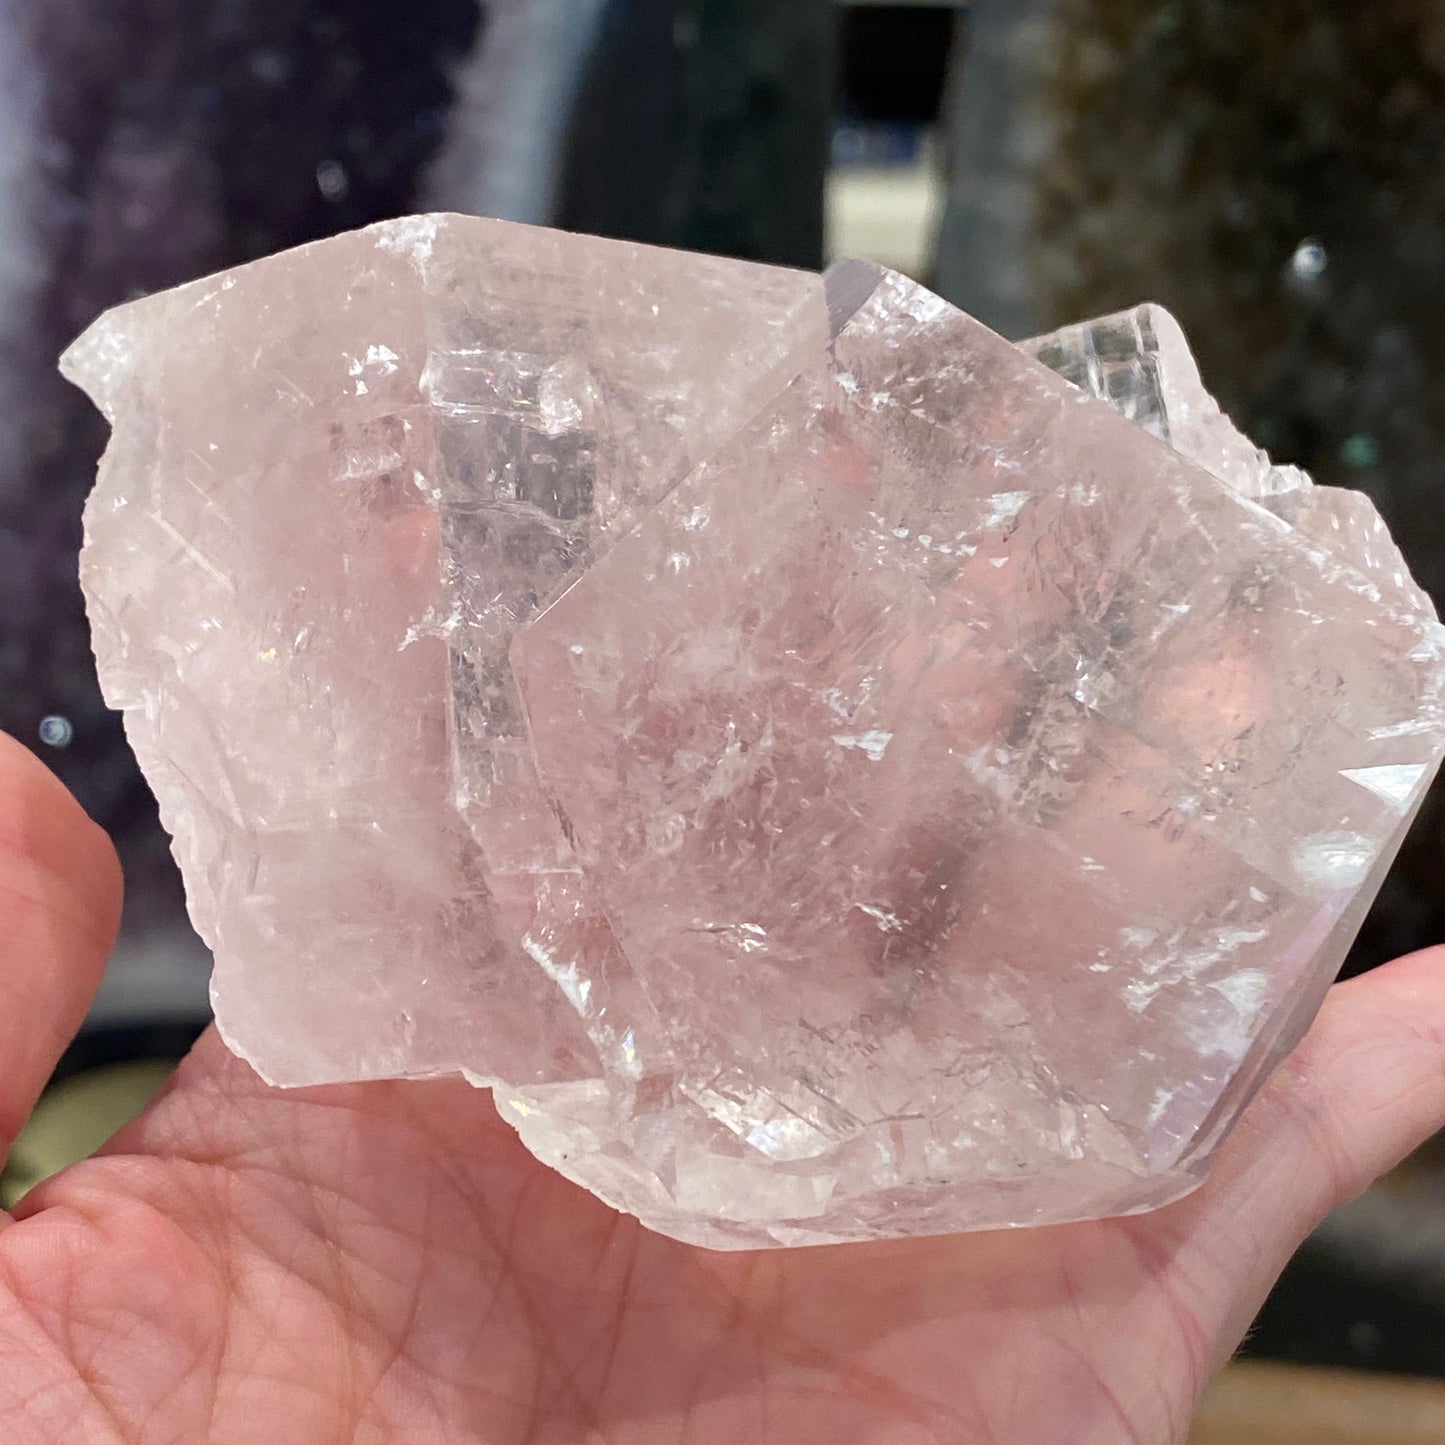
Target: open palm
[(385, 1262)]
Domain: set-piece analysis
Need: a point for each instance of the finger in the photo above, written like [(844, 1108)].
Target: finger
[(1365, 1087), (60, 893)]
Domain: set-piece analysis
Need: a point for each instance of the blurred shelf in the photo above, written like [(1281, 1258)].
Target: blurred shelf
[(1266, 1404), (885, 214)]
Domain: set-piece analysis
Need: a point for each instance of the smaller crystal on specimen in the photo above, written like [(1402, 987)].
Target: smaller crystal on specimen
[(1139, 362), (831, 776)]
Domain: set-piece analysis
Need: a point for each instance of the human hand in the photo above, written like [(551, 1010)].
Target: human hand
[(385, 1262)]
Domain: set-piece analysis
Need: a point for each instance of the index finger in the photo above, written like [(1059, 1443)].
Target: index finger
[(60, 895)]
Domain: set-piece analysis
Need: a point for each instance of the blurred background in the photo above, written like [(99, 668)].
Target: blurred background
[(1274, 172)]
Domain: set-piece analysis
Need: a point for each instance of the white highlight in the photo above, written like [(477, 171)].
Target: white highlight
[(1334, 860), (874, 743), (576, 989), (1395, 784)]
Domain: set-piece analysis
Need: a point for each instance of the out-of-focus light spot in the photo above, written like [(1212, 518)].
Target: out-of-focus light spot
[(271, 67), (1360, 450), (332, 180), (56, 731), (1169, 20), (1309, 262)]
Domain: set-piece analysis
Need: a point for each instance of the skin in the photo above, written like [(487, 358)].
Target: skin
[(384, 1262)]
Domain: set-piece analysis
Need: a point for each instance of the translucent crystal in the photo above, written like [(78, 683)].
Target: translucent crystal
[(833, 778), (338, 480), (1140, 363)]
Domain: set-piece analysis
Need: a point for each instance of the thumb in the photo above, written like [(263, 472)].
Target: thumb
[(1365, 1087)]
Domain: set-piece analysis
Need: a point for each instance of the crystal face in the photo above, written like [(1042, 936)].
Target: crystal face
[(832, 776)]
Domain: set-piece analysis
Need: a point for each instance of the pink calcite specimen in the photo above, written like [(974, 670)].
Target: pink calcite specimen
[(832, 777)]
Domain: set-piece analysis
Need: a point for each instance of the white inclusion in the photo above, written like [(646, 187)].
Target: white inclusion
[(382, 357), (1137, 937), (1259, 895), (1004, 507), (431, 624), (1245, 992), (901, 533), (1395, 784), (1229, 939), (1162, 1100), (888, 921), (362, 388), (1001, 462), (576, 989), (665, 836), (557, 408), (1408, 729), (195, 554), (874, 743), (1334, 860), (989, 765), (697, 519), (1245, 989), (1139, 995), (576, 649), (1069, 1134), (848, 382), (412, 236), (676, 561), (924, 306), (749, 937), (628, 1048), (998, 561), (746, 937)]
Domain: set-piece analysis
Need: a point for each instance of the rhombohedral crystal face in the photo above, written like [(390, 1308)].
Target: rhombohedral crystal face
[(831, 775)]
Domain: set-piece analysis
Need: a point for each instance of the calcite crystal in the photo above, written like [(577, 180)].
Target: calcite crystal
[(833, 777)]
